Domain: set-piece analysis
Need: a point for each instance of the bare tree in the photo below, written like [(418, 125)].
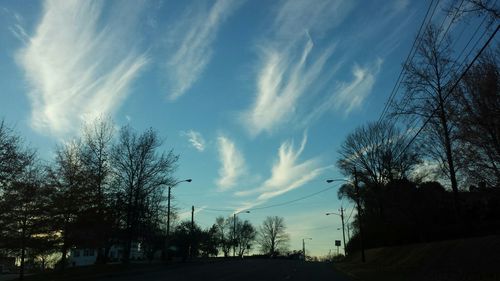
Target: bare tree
[(13, 156), (95, 154), (141, 171), (479, 121), (67, 179), (245, 235), (429, 78), (488, 8), (224, 232), (378, 152), (272, 236), (23, 199), (24, 215)]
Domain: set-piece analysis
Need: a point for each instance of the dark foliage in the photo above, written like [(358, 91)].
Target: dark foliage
[(423, 213)]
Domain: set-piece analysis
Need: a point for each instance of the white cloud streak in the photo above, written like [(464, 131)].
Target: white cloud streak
[(192, 38), (17, 27), (287, 173), (195, 139), (290, 70), (76, 68), (232, 163), (282, 81), (349, 96)]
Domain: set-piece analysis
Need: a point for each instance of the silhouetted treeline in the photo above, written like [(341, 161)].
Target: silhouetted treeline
[(445, 183), (424, 212), (230, 234), (105, 188)]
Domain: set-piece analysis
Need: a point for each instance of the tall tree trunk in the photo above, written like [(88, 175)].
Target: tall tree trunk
[(449, 154), (64, 250), (23, 251)]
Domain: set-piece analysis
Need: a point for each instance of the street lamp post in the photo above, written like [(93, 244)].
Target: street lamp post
[(343, 229), (168, 211), (234, 229), (304, 246), (358, 208)]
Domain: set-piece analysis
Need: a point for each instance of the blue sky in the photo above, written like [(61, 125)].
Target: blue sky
[(255, 96)]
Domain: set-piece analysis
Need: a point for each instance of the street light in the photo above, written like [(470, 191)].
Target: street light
[(358, 208), (342, 218), (168, 210), (234, 228), (333, 180), (304, 246)]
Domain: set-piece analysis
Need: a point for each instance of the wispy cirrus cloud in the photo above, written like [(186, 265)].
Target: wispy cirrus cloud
[(291, 66), (76, 63), (300, 59), (195, 139), (191, 40), (16, 27), (352, 94), (232, 163), (348, 96), (287, 173), (283, 79)]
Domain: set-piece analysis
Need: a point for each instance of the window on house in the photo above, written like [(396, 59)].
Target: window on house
[(86, 252), (76, 253)]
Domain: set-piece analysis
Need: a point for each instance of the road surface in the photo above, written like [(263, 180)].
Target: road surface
[(240, 270)]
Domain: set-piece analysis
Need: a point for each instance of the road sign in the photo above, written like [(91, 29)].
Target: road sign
[(337, 243)]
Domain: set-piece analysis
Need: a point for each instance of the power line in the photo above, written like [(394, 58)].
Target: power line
[(274, 205), (293, 201), (347, 221), (450, 91), (475, 44), (454, 17), (313, 228), (411, 55), (408, 98)]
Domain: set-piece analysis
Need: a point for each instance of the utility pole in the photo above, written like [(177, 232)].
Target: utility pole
[(192, 218), (167, 241), (234, 230), (358, 206), (191, 233), (343, 230), (304, 246), (234, 235), (168, 223), (341, 215), (304, 249)]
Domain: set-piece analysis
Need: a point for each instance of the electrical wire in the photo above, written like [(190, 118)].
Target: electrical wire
[(347, 221), (274, 205), (409, 58), (450, 91)]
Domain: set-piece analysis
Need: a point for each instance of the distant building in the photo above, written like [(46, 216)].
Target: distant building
[(83, 257)]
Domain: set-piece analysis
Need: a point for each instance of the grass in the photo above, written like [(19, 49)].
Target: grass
[(471, 259)]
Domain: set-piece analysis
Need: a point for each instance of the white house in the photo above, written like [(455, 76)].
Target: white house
[(82, 257)]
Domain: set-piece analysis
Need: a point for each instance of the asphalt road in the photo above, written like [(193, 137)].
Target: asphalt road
[(241, 270)]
